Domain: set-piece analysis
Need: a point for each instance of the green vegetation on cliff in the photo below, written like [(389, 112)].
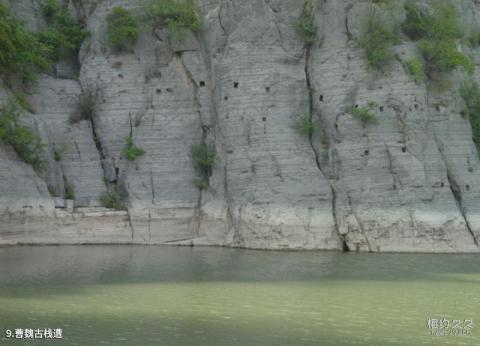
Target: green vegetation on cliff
[(470, 92), (52, 190), (204, 159), (415, 69), (474, 39), (85, 108), (304, 125), (443, 56), (178, 16), (69, 192), (438, 32), (26, 143), (365, 115), (63, 35), (21, 53), (305, 25), (122, 29), (130, 151), (417, 22), (378, 40), (111, 199)]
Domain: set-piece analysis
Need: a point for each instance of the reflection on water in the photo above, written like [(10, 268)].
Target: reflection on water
[(133, 295)]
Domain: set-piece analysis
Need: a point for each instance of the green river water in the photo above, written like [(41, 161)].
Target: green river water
[(169, 296)]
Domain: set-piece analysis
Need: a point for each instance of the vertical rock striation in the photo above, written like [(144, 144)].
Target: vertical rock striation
[(410, 183)]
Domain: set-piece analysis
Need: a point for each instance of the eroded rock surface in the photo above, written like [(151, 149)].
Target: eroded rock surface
[(409, 184)]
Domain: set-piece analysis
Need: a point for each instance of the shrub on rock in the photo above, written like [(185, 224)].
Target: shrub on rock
[(26, 143), (177, 16), (122, 29), (130, 151)]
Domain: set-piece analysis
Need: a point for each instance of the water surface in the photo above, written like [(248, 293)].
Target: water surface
[(135, 295)]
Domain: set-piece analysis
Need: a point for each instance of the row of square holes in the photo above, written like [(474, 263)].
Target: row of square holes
[(201, 84), (236, 84), (356, 106), (367, 152)]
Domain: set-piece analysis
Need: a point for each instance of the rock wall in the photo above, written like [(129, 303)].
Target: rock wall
[(409, 184)]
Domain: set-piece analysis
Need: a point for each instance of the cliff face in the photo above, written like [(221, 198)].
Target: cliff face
[(410, 183)]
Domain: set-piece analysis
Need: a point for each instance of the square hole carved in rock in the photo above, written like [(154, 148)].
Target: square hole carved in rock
[(202, 83), (235, 85)]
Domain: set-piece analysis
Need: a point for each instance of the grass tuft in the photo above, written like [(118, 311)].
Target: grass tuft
[(415, 69), (305, 126), (365, 116), (306, 29), (130, 151)]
